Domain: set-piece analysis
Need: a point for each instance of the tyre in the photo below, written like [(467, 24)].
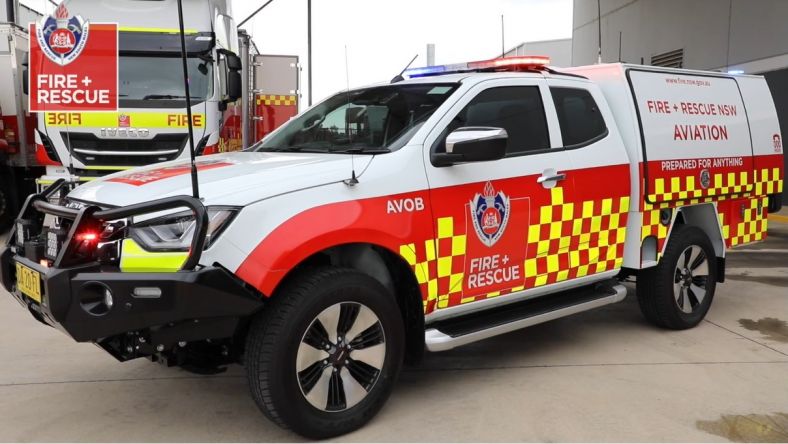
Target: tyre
[(677, 293), (322, 358)]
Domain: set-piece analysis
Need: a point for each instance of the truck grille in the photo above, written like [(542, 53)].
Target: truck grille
[(91, 150)]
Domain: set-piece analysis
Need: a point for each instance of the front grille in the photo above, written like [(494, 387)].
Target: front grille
[(91, 150)]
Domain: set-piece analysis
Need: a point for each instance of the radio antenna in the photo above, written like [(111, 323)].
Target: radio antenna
[(353, 180), (398, 77), (195, 184)]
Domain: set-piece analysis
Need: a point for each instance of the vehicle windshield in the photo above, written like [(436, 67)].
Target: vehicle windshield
[(366, 121), (153, 79)]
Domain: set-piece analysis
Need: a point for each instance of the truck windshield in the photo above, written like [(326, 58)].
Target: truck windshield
[(365, 121), (147, 81)]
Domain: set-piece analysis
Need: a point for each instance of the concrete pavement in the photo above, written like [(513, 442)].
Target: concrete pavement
[(604, 375)]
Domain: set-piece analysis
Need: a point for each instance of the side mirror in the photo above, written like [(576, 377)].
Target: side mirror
[(25, 75), (232, 75), (473, 144)]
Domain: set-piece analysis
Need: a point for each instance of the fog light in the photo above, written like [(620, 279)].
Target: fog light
[(147, 292), (95, 298)]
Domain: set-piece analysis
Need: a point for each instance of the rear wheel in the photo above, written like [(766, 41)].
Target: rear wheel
[(323, 357), (678, 292)]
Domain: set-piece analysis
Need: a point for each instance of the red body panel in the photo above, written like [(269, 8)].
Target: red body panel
[(550, 236)]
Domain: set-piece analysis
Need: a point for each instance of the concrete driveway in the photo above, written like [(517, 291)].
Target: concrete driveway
[(604, 375)]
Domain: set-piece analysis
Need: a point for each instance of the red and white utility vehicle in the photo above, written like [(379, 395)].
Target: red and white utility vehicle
[(464, 202)]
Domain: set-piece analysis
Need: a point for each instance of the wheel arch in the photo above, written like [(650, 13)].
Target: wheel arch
[(383, 265), (703, 216)]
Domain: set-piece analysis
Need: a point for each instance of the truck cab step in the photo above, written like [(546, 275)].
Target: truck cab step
[(450, 333)]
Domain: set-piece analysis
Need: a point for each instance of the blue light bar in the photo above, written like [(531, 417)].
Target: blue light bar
[(436, 70), (425, 71), (499, 64)]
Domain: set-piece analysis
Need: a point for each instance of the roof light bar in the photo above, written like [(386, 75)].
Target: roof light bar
[(513, 62), (501, 64)]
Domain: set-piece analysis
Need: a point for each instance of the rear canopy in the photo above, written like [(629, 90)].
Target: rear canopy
[(695, 135)]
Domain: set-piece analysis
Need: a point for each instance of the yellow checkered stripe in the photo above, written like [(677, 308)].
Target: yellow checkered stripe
[(731, 196), (753, 224), (573, 240), (441, 269), (666, 191), (263, 99), (568, 240), (767, 181)]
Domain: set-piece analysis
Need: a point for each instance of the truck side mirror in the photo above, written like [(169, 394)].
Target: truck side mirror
[(473, 144), (25, 79), (233, 89)]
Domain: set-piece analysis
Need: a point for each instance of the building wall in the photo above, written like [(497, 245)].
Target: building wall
[(715, 34), (724, 35), (559, 51)]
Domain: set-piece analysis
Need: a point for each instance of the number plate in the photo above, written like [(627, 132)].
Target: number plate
[(29, 282)]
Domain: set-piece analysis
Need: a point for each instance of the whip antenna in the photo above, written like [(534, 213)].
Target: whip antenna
[(195, 185)]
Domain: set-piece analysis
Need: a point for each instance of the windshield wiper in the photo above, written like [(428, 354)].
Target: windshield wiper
[(292, 149), (162, 97), (360, 150)]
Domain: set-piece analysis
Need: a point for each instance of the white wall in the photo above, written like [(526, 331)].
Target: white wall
[(715, 34)]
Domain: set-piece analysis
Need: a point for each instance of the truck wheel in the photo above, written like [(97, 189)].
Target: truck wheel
[(322, 358), (677, 293)]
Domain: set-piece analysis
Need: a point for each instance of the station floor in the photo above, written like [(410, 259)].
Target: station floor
[(604, 375)]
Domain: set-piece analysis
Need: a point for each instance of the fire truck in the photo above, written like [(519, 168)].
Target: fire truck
[(238, 96), (461, 203)]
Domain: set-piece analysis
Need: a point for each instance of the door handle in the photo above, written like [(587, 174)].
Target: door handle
[(554, 177)]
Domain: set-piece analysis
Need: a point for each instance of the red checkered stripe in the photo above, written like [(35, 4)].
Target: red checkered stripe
[(673, 191), (588, 238), (730, 187), (753, 226)]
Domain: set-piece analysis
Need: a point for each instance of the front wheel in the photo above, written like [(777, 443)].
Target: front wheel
[(322, 358), (677, 293)]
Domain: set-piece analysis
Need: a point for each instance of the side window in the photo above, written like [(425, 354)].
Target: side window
[(578, 115), (517, 109)]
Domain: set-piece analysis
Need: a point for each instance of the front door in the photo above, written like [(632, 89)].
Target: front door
[(498, 224)]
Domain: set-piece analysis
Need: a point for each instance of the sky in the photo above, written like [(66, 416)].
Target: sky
[(382, 36)]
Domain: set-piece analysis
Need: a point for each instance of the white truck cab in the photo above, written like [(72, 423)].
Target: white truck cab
[(464, 202)]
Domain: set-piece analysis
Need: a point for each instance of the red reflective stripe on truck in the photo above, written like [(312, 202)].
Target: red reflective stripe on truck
[(546, 235)]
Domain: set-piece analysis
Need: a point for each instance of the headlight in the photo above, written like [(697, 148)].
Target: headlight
[(174, 232)]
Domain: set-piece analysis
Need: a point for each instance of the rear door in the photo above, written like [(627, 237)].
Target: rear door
[(276, 92), (600, 175)]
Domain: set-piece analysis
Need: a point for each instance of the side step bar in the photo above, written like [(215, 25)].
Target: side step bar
[(451, 333)]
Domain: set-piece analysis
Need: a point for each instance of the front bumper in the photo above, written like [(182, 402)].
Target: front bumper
[(128, 314), (186, 298)]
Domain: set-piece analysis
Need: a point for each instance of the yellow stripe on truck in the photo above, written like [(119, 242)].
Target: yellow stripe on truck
[(132, 120), (135, 259)]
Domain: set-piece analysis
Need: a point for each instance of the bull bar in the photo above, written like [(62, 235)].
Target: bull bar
[(195, 303)]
